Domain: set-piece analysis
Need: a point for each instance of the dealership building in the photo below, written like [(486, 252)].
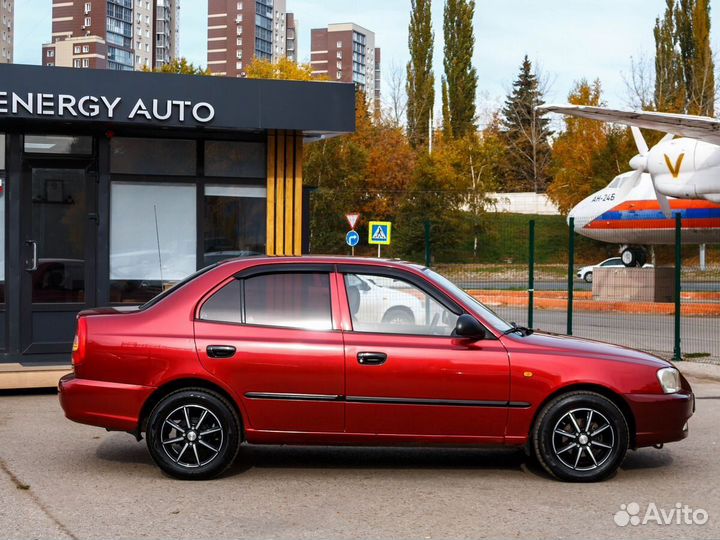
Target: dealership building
[(114, 185)]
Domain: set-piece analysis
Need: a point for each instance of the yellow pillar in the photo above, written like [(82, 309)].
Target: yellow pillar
[(284, 193)]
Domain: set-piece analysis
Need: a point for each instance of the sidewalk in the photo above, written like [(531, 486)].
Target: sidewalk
[(699, 371)]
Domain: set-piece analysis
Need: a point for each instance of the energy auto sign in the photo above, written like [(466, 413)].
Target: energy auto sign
[(67, 106)]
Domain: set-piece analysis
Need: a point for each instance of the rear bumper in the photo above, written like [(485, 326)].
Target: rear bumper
[(661, 418), (110, 405)]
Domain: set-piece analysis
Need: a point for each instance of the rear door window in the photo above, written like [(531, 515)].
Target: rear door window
[(289, 300)]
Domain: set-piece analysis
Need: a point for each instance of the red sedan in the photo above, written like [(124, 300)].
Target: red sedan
[(325, 351)]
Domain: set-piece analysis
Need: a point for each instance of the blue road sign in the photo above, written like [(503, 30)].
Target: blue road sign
[(352, 238), (380, 233)]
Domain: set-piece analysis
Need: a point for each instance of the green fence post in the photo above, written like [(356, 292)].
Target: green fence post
[(531, 274), (571, 275), (677, 352), (428, 254)]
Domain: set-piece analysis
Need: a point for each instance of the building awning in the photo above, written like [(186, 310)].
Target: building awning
[(34, 96)]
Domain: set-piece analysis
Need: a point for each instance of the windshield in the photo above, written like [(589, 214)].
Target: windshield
[(178, 285), (479, 309)]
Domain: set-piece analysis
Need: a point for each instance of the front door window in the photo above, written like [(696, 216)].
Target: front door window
[(388, 305)]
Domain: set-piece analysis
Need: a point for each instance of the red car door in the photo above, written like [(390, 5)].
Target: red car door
[(405, 374), (271, 335)]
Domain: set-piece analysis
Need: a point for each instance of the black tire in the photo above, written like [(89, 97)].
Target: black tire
[(588, 277), (398, 315), (179, 449), (629, 257), (597, 453)]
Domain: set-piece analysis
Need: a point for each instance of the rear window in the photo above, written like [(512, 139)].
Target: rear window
[(176, 287)]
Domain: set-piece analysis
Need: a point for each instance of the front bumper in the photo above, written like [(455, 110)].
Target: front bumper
[(661, 418), (110, 405)]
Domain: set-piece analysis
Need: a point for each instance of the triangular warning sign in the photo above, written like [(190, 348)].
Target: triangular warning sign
[(379, 234)]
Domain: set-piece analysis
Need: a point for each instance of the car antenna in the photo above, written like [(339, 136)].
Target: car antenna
[(157, 236)]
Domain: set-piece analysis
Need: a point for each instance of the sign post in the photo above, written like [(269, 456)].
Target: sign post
[(352, 238), (380, 234)]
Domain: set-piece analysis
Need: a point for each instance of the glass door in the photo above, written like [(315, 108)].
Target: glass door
[(59, 230)]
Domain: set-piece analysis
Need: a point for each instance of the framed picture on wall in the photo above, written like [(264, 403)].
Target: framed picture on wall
[(54, 191)]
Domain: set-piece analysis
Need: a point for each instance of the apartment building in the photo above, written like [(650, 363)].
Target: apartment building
[(6, 31), (346, 52), (112, 34), (241, 30)]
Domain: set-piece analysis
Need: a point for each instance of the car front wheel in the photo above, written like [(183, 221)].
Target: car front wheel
[(193, 434), (588, 277), (580, 437)]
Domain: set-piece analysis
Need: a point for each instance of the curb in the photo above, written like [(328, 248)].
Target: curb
[(699, 371)]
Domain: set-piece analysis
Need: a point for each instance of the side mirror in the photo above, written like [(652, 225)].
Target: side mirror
[(468, 327)]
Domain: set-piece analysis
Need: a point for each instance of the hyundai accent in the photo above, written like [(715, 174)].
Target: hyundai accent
[(350, 351)]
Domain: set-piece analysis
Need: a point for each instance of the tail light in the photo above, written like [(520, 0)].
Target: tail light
[(79, 342)]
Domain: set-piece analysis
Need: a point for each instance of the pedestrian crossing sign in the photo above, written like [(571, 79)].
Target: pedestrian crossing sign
[(380, 233)]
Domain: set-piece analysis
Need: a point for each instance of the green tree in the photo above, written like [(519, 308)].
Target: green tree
[(447, 123), (527, 135), (702, 86), (460, 74), (420, 85), (180, 66), (670, 94)]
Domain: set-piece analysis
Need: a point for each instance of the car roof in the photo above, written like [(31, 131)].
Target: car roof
[(247, 262)]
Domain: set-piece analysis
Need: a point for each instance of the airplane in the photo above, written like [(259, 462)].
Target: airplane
[(676, 175)]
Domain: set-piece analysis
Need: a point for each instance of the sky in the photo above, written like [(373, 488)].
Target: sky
[(567, 39)]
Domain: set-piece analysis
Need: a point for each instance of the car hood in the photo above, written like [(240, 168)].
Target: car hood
[(580, 347)]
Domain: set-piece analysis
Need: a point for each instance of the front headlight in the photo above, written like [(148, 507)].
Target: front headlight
[(669, 379)]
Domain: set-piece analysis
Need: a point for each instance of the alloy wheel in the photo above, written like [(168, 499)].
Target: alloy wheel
[(191, 436), (583, 439)]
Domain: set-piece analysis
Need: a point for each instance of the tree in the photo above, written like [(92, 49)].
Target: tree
[(420, 83), (587, 154), (670, 94), (179, 66), (447, 129), (527, 134), (283, 69), (701, 86), (460, 75)]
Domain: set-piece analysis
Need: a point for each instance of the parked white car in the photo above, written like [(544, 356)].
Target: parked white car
[(586, 272)]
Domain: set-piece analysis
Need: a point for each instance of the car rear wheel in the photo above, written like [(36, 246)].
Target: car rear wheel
[(580, 437), (193, 434), (588, 277)]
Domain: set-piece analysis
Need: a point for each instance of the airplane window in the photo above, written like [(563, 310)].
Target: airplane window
[(617, 182)]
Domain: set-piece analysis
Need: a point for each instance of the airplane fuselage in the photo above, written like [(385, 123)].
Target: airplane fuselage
[(619, 216)]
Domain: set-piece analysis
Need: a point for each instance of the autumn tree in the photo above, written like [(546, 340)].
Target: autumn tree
[(527, 134), (180, 66), (283, 69), (670, 94), (588, 154), (420, 80), (460, 81)]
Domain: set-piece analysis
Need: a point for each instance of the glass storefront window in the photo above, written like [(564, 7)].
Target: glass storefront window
[(58, 144), (235, 221), (153, 238), (235, 159), (166, 157)]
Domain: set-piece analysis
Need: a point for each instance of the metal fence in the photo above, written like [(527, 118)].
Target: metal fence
[(535, 272)]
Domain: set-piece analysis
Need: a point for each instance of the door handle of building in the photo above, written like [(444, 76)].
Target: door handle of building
[(221, 351), (34, 261), (371, 358)]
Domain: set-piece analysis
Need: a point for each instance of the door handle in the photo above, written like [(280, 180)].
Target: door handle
[(34, 265), (371, 358), (221, 351)]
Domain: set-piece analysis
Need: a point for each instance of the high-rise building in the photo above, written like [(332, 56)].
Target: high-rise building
[(239, 31), (6, 31), (112, 34), (346, 52)]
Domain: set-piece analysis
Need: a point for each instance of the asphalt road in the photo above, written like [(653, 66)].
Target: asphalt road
[(63, 480), (654, 333)]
